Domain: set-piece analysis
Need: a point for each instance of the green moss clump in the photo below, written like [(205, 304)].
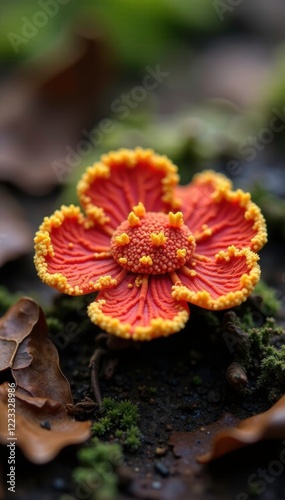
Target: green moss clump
[(96, 476), (260, 338), (272, 372), (121, 419), (131, 438), (109, 404), (267, 359), (102, 426), (270, 357), (253, 338)]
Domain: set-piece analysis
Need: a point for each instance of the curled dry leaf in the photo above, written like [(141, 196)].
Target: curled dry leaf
[(31, 356), (16, 238), (42, 426), (267, 425), (45, 106), (15, 325)]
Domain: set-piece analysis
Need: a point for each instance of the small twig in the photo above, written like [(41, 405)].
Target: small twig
[(104, 344), (94, 364)]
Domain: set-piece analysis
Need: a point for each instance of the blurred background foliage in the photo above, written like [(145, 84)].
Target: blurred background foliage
[(211, 49), (140, 30), (67, 65)]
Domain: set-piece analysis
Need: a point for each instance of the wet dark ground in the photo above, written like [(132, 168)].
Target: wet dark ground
[(161, 378)]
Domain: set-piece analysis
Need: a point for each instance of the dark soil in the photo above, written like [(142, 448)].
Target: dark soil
[(179, 384)]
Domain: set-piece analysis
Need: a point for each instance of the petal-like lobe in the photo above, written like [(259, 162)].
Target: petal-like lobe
[(140, 307), (73, 255), (109, 189), (220, 283), (219, 217)]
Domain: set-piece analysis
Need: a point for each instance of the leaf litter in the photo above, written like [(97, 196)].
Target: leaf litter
[(43, 425)]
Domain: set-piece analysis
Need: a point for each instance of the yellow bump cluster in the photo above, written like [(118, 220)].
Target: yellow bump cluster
[(137, 213), (122, 239), (158, 239), (97, 171), (138, 281), (222, 190), (212, 178), (158, 326), (95, 215), (253, 213), (133, 219), (146, 260), (175, 220), (108, 323), (153, 246), (181, 253), (103, 282), (139, 210), (206, 231), (101, 255), (44, 249), (123, 260)]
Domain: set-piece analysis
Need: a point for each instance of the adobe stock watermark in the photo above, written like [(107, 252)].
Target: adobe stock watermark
[(30, 27), (259, 480), (252, 145), (224, 6), (122, 106), (11, 430)]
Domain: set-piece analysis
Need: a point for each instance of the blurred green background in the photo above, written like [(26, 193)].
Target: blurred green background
[(202, 81), (224, 59)]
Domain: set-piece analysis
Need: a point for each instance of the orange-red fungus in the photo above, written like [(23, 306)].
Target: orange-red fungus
[(149, 246)]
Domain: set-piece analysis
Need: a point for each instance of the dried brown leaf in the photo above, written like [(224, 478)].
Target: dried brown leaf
[(45, 105), (42, 426), (32, 357), (267, 425), (15, 325)]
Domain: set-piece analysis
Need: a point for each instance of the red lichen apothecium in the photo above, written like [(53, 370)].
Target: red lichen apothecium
[(149, 246)]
